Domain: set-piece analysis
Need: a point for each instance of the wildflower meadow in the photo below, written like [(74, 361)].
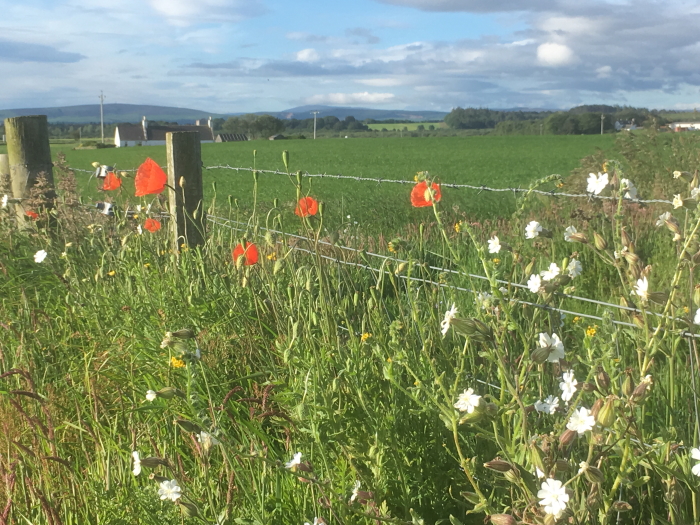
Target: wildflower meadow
[(539, 369)]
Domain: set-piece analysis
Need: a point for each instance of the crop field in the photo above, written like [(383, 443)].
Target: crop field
[(447, 359)]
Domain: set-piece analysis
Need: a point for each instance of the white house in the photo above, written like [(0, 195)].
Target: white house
[(685, 126), (145, 134)]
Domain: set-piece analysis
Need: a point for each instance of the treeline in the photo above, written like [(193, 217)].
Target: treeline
[(480, 118)]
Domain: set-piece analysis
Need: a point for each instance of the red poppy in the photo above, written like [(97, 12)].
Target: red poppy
[(307, 206), (420, 195), (149, 178), (250, 254), (152, 225), (111, 182), (32, 214)]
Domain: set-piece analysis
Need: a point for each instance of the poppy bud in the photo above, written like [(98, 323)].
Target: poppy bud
[(603, 379), (599, 242), (182, 334), (498, 465), (189, 510), (597, 406), (628, 385), (625, 238), (579, 237), (275, 202), (567, 438), (321, 208), (285, 159), (502, 519)]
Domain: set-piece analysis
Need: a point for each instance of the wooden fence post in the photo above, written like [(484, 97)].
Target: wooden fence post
[(187, 222), (29, 155), (4, 170)]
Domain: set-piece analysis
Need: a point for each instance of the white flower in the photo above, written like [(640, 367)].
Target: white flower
[(534, 283), (568, 386), (551, 272), (106, 208), (151, 395), (207, 440), (548, 406), (467, 401), (317, 521), (169, 490), (539, 473), (642, 288), (663, 218), (494, 245), (582, 467), (553, 497), (355, 490), (198, 353), (557, 352), (694, 193), (569, 232), (677, 201), (137, 463), (695, 454), (484, 299), (626, 184), (596, 184), (296, 460), (697, 316), (532, 230), (40, 256), (581, 421), (449, 315), (677, 174), (139, 229), (3, 203), (574, 268)]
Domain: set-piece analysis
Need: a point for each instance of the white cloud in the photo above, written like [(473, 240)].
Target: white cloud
[(553, 54), (350, 98), (307, 55), (604, 72), (188, 12), (380, 82)]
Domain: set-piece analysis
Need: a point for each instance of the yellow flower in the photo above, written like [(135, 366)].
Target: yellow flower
[(112, 273), (135, 215), (496, 261), (458, 226), (576, 320), (365, 336), (605, 166), (272, 256), (176, 363), (147, 265), (560, 185), (591, 330), (389, 360), (392, 247)]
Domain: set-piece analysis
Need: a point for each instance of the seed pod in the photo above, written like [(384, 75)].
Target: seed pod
[(595, 409), (606, 416), (189, 510), (153, 462), (540, 355), (579, 237), (594, 499), (603, 380), (529, 267), (628, 386), (502, 519), (673, 226), (512, 475), (640, 392), (625, 238), (594, 475), (567, 438), (285, 159), (499, 465), (599, 242)]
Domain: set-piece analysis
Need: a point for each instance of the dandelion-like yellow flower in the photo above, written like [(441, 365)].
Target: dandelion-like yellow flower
[(135, 216), (176, 363), (389, 360), (496, 261), (686, 310), (605, 166), (560, 185), (147, 265), (591, 330), (576, 320), (272, 256), (458, 226), (365, 336), (392, 247), (112, 273)]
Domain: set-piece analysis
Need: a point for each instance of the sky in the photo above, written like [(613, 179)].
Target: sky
[(230, 56)]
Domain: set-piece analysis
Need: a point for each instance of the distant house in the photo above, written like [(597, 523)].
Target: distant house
[(230, 137), (277, 137), (685, 126), (146, 134)]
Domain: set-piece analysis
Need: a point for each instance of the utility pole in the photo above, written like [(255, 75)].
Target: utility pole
[(602, 121), (315, 113), (102, 116)]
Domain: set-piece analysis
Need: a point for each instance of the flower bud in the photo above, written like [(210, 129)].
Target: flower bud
[(606, 415), (512, 475), (599, 242), (579, 237), (595, 409), (603, 379), (628, 385), (594, 474), (625, 303), (638, 320), (625, 238), (499, 465), (182, 182), (189, 510), (157, 479), (540, 355), (502, 519), (631, 257), (567, 438), (640, 392), (529, 267), (285, 159), (594, 499), (673, 226), (183, 334), (153, 462)]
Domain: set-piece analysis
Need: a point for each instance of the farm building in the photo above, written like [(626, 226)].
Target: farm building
[(154, 135), (277, 137), (230, 137), (685, 126)]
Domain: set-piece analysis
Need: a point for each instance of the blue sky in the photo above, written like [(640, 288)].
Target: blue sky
[(256, 55)]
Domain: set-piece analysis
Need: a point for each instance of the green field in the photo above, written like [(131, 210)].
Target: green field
[(485, 160)]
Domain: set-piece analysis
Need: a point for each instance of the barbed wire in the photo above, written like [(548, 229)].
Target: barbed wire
[(475, 187)]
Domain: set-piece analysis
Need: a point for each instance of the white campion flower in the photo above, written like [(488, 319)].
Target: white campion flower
[(574, 268), (695, 454), (151, 395), (642, 288), (296, 460), (484, 300), (597, 183), (548, 406), (534, 283), (553, 340), (553, 497), (694, 193), (677, 174), (626, 184), (40, 256), (3, 202), (207, 440), (568, 386), (449, 315), (677, 201), (697, 316), (137, 463), (661, 221), (569, 232), (139, 229), (355, 490), (551, 272), (581, 421), (532, 230), (494, 245), (169, 489), (317, 521), (467, 401), (539, 473)]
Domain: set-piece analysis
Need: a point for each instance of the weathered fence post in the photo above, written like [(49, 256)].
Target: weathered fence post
[(187, 223), (29, 155), (4, 170)]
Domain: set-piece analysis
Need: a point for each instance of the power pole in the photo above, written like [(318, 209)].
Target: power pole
[(102, 116), (602, 121), (315, 113)]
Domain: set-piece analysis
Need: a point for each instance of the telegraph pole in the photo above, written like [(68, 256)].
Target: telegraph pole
[(315, 113), (602, 121), (102, 116)]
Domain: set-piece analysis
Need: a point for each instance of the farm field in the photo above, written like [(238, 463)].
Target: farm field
[(493, 161)]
